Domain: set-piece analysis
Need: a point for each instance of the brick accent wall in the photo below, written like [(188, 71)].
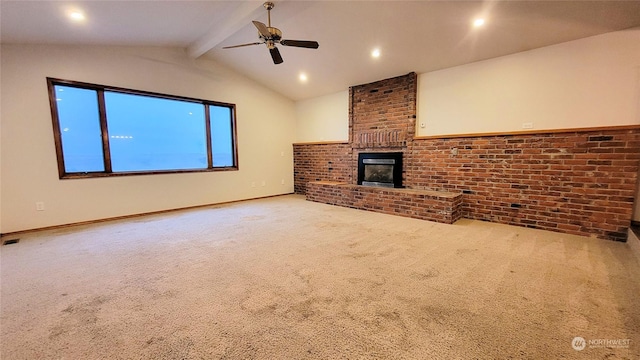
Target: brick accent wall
[(316, 162), (383, 114), (580, 182)]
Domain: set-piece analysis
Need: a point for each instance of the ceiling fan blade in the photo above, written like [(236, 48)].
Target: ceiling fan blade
[(275, 55), (241, 45), (300, 43), (262, 28)]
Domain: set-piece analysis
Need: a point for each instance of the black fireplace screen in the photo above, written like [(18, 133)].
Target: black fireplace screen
[(380, 169), (378, 173)]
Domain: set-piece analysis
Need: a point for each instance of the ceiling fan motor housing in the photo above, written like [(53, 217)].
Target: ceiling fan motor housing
[(274, 38), (276, 34)]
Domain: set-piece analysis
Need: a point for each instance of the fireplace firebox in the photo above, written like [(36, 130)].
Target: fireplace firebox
[(382, 169)]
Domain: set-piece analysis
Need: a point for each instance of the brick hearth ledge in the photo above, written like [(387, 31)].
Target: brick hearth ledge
[(439, 206)]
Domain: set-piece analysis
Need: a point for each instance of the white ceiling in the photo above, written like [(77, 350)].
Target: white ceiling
[(418, 36)]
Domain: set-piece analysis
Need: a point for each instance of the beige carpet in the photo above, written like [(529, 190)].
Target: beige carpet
[(283, 278)]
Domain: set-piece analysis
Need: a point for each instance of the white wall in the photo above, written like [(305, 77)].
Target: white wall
[(324, 118), (588, 82), (28, 161), (583, 83)]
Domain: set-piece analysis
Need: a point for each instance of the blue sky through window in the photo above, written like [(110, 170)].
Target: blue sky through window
[(147, 134), (79, 129), (221, 142)]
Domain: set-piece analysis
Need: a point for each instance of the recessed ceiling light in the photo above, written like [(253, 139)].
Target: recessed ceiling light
[(478, 22), (302, 77), (77, 16), (375, 53)]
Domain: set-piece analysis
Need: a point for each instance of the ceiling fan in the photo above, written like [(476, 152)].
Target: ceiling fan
[(271, 36)]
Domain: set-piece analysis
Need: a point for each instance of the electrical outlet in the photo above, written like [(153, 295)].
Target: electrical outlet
[(253, 184), (39, 206), (263, 183), (527, 125), (282, 181), (281, 153)]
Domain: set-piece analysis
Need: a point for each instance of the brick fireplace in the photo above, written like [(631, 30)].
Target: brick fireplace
[(577, 181)]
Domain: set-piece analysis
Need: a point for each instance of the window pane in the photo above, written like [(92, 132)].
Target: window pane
[(221, 135), (80, 133), (147, 134)]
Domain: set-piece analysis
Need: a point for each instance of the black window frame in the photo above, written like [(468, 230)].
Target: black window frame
[(100, 90)]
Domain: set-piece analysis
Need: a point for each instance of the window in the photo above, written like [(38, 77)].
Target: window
[(103, 131)]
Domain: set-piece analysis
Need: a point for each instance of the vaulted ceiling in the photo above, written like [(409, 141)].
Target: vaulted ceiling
[(418, 36)]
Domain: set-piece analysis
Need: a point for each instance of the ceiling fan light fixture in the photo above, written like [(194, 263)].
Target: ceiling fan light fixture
[(375, 53), (303, 77)]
